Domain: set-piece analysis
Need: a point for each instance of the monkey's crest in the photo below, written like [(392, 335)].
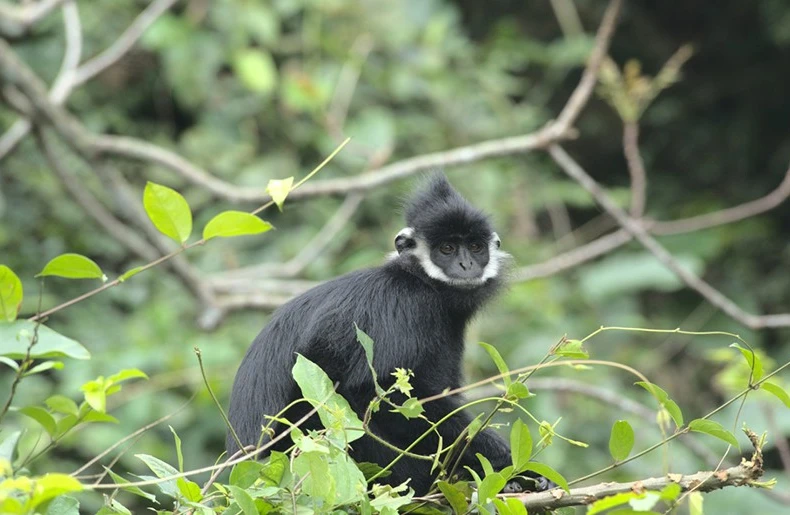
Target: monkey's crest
[(437, 210)]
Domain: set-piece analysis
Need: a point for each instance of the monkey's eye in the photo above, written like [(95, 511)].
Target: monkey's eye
[(447, 248), (475, 247)]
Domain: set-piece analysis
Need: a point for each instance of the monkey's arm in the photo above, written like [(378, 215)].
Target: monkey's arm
[(487, 442)]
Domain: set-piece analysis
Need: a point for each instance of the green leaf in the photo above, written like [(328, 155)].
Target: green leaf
[(136, 490), (8, 446), (367, 344), (15, 340), (334, 411), (274, 469), (132, 272), (244, 474), (752, 360), (42, 416), (696, 500), (43, 367), (179, 455), (10, 294), (498, 361), (663, 398), (572, 349), (714, 429), (778, 391), (189, 489), (313, 470), (168, 211), (234, 223), (487, 468), (125, 375), (621, 440), (510, 506), (549, 473), (612, 501), (95, 395), (518, 390), (10, 363), (161, 469), (454, 496), (279, 190), (96, 416), (412, 408), (65, 424), (63, 505), (73, 266), (244, 500), (491, 485), (256, 70), (50, 486), (520, 445)]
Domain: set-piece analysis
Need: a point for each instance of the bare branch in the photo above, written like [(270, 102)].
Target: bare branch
[(16, 20), (744, 474), (71, 75), (581, 94), (634, 228), (60, 88), (122, 45), (636, 168), (309, 253), (574, 257), (729, 215)]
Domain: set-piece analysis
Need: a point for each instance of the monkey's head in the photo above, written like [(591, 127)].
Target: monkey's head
[(449, 239)]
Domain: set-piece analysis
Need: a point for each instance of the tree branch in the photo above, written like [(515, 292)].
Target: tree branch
[(744, 474), (635, 229)]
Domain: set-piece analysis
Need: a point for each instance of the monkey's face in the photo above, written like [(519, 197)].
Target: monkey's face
[(465, 261)]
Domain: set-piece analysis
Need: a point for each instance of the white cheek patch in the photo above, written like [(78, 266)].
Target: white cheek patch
[(495, 259)]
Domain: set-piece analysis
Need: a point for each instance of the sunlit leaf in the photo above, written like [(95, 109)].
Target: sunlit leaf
[(256, 70), (547, 472), (279, 190), (168, 211), (518, 390), (454, 496), (126, 374), (778, 391), (132, 272), (72, 266), (572, 349), (234, 223), (10, 294), (42, 416), (15, 339), (498, 361), (334, 411), (621, 440), (714, 429), (520, 445), (412, 408), (136, 490), (50, 486), (663, 398), (43, 367), (491, 485), (244, 474), (752, 360)]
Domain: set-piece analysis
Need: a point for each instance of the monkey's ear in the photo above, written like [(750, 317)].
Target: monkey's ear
[(496, 240), (405, 240)]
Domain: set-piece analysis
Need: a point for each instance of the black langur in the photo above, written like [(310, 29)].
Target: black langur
[(415, 307)]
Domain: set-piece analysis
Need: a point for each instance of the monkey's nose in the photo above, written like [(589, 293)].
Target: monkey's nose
[(465, 266)]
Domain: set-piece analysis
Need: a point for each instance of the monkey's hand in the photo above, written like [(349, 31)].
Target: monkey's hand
[(528, 484)]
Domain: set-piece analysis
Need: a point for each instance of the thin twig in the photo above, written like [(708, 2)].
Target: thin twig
[(636, 168)]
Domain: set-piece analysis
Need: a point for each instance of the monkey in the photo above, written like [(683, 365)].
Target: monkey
[(447, 264)]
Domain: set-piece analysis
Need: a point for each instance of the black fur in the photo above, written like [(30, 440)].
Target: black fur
[(416, 322)]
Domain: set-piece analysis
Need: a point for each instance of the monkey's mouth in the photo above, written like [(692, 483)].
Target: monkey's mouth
[(467, 283)]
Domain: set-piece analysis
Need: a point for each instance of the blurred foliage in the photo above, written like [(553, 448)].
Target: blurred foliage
[(256, 90)]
